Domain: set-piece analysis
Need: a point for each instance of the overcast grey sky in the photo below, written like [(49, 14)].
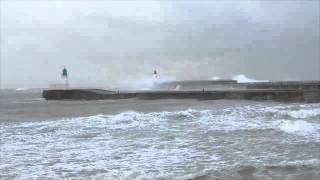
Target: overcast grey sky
[(109, 43)]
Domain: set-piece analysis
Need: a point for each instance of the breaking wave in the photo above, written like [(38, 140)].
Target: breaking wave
[(22, 89), (241, 78), (296, 111), (305, 113), (158, 145), (300, 127)]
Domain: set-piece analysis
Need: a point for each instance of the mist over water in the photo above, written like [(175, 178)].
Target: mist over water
[(112, 44)]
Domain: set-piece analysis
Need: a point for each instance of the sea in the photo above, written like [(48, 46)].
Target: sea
[(157, 139)]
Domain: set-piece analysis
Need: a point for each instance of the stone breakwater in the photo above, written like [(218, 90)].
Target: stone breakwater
[(299, 91), (234, 85), (258, 95)]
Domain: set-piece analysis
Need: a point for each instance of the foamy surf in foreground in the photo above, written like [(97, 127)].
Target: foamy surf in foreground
[(165, 145)]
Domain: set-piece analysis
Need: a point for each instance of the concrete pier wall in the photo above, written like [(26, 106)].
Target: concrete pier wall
[(302, 85), (84, 94), (258, 95), (233, 85), (198, 85), (295, 91)]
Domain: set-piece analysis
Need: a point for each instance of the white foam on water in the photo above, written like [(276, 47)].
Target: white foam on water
[(296, 111), (103, 142), (304, 113), (309, 162), (135, 145), (300, 127), (292, 111)]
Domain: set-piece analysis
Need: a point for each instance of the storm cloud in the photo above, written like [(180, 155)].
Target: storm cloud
[(113, 43)]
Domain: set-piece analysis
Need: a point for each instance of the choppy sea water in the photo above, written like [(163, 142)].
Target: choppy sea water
[(227, 142)]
